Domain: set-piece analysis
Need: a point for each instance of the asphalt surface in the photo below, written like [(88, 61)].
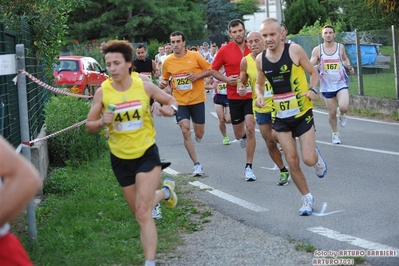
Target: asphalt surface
[(356, 204)]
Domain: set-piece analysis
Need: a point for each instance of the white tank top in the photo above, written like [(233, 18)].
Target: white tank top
[(333, 76), (220, 86), (4, 229)]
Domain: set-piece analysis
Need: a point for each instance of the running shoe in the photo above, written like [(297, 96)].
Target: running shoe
[(226, 140), (156, 212), (307, 207), (197, 139), (198, 171), (320, 166), (243, 143), (342, 120), (249, 174), (284, 177), (169, 183), (336, 138)]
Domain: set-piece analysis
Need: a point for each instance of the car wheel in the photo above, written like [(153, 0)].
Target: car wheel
[(86, 90)]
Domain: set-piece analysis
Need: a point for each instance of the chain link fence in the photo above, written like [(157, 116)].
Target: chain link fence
[(37, 96), (376, 56)]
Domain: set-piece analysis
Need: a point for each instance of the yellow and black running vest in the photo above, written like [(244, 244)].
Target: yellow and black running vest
[(288, 82), (132, 130)]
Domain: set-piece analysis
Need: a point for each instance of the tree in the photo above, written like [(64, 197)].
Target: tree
[(361, 16), (245, 7), (47, 20), (288, 3), (386, 10), (332, 8), (388, 6), (137, 20), (302, 13), (219, 13)]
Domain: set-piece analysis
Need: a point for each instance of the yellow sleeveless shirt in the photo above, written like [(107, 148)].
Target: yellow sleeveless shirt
[(132, 130), (267, 96)]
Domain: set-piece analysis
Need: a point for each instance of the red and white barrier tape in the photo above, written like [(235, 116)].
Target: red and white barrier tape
[(56, 90), (29, 143)]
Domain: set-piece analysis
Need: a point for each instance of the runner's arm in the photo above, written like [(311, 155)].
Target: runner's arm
[(21, 181)]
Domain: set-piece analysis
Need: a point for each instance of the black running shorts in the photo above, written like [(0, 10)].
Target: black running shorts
[(125, 171)]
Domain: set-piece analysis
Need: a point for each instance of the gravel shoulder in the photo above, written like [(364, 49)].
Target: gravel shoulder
[(225, 241)]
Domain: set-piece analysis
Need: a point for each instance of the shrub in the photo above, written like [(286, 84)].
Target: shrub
[(61, 182), (74, 145), (152, 48)]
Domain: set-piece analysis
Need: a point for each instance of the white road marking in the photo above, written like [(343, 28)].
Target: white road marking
[(228, 197), (275, 167), (348, 146), (221, 194), (360, 119), (318, 230), (358, 148), (170, 171), (349, 239), (323, 211)]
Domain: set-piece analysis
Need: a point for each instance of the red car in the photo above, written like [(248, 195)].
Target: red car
[(83, 72)]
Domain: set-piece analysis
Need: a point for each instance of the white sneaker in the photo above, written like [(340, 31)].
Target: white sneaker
[(243, 143), (156, 212), (342, 120), (198, 171), (197, 139), (336, 138), (320, 166), (249, 174), (307, 207)]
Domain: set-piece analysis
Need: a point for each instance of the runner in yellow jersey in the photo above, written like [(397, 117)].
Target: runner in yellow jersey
[(284, 66), (263, 115), (123, 105)]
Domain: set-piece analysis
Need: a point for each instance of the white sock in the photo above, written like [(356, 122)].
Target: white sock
[(149, 263), (309, 195), (167, 192)]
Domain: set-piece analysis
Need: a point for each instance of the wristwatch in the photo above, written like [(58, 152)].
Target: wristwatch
[(174, 108)]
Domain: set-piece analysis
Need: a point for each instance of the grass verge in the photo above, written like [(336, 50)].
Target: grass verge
[(393, 117), (83, 219)]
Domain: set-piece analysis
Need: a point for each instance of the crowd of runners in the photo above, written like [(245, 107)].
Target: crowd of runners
[(258, 78)]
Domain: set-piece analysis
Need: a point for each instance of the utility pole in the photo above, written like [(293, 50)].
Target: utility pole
[(279, 11)]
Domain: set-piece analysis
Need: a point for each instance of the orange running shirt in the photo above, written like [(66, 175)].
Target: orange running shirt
[(185, 91)]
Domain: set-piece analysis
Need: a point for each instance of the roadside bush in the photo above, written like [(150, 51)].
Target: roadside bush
[(72, 146), (152, 48), (62, 182)]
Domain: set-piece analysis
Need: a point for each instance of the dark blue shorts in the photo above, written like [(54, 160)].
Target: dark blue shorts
[(263, 118), (196, 112), (330, 95), (221, 100)]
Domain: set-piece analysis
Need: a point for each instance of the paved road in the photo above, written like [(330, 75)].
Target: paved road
[(356, 204)]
